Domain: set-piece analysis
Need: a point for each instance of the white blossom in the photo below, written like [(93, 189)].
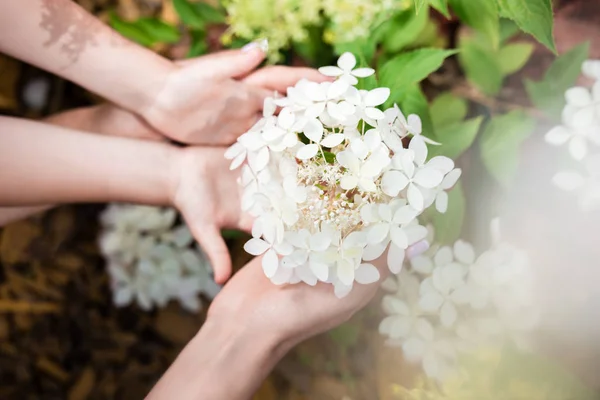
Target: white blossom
[(150, 261), (311, 173)]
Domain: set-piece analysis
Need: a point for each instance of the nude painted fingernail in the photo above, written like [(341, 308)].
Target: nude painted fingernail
[(417, 249), (262, 44)]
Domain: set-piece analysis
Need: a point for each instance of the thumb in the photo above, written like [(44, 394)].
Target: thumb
[(214, 246)]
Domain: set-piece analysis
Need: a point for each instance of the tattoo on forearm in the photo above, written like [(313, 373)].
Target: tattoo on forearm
[(72, 28)]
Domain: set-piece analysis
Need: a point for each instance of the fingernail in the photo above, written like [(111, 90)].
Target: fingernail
[(417, 249), (262, 44)]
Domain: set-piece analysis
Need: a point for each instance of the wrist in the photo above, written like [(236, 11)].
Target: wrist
[(224, 361)]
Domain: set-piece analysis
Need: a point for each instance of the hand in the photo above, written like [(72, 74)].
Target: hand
[(207, 194), (291, 313), (213, 99)]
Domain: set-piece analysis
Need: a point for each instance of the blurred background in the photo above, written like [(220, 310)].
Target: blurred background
[(63, 337)]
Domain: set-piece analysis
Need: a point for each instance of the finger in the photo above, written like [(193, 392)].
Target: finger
[(214, 246), (227, 64), (279, 78)]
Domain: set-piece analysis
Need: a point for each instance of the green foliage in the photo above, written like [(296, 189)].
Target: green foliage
[(403, 30), (412, 67), (420, 4), (533, 16), (548, 94), (441, 6), (197, 15), (198, 46), (145, 31), (500, 142), (345, 335), (231, 234), (454, 133), (513, 57), (486, 67), (481, 15), (448, 226)]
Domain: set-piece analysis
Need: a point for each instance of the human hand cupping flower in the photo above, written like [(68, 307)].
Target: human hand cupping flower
[(215, 98)]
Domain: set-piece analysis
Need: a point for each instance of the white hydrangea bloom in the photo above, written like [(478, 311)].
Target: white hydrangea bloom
[(332, 185), (449, 301), (150, 261), (581, 131)]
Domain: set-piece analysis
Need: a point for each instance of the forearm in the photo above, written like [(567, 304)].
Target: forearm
[(61, 37), (43, 164), (11, 214), (222, 362)]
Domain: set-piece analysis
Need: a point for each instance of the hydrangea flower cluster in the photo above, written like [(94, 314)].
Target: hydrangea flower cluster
[(449, 302), (283, 22), (332, 184), (150, 261), (580, 131)]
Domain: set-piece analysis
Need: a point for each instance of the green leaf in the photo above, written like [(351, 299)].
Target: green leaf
[(480, 66), (500, 143), (363, 48), (198, 46), (313, 49), (413, 101), (513, 57), (441, 6), (403, 29), (447, 109), (145, 31), (455, 139), (548, 94), (481, 15), (533, 16), (345, 335), (209, 13), (130, 30), (507, 29), (448, 226), (159, 31), (412, 67), (419, 4), (231, 234), (189, 14)]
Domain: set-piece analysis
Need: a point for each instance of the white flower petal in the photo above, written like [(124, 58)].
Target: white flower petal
[(448, 314), (321, 271), (431, 301), (441, 202), (373, 251), (414, 124), (345, 271), (286, 118), (307, 151), (422, 264), (578, 148), (374, 113), (337, 88), (363, 72), (578, 96), (377, 97), (393, 182), (415, 197), (443, 256), (378, 233), (259, 161), (256, 246), (399, 237), (333, 140), (557, 135), (418, 146), (428, 177), (347, 61), (568, 180), (348, 182), (313, 129), (464, 252), (366, 274), (395, 259), (331, 71), (451, 179), (270, 262)]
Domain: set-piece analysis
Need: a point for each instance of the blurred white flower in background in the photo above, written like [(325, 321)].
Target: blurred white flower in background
[(581, 130), (450, 302), (150, 261)]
